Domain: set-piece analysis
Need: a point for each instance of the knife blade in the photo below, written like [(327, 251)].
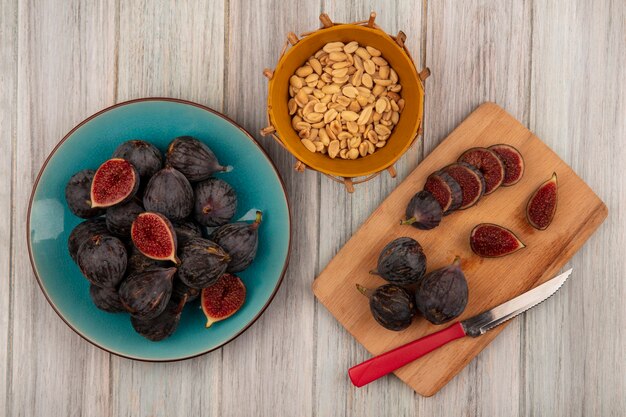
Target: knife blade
[(383, 364)]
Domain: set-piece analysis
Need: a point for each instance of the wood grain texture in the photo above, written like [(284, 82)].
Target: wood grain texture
[(579, 343), (491, 281), (8, 122), (533, 58), (65, 72)]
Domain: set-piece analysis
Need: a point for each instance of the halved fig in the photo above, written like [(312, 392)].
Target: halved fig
[(470, 180), (445, 190), (492, 241), (513, 163), (488, 163), (423, 211), (542, 204), (115, 182), (223, 299), (154, 236)]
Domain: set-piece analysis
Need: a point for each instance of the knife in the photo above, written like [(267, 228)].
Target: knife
[(381, 365)]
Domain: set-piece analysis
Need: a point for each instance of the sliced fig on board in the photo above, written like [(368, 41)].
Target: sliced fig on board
[(513, 163), (542, 204), (116, 181), (492, 241), (223, 299), (470, 180), (154, 236), (445, 190), (423, 211), (488, 163)]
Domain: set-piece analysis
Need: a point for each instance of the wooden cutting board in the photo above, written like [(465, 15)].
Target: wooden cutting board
[(491, 281)]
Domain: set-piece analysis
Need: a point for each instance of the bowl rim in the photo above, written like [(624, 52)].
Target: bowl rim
[(370, 171), (171, 100)]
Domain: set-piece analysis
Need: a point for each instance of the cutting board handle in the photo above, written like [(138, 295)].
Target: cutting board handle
[(381, 365)]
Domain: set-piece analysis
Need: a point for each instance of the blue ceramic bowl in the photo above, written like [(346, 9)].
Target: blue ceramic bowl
[(158, 121)]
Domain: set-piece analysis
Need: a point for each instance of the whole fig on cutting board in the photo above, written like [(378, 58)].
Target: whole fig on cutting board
[(442, 294), (392, 306), (402, 262)]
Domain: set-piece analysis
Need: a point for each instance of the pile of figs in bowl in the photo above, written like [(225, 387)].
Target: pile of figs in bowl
[(158, 229)]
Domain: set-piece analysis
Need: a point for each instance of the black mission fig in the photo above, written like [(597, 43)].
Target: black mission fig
[(392, 306), (84, 231), (202, 263), (107, 299), (102, 260), (215, 202), (240, 240), (163, 325), (168, 192), (144, 156), (146, 294), (78, 194), (193, 158), (402, 262)]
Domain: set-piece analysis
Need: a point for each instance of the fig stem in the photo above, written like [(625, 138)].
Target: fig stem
[(365, 291), (408, 221), (257, 220)]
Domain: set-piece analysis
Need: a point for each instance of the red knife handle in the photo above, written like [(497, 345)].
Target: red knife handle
[(381, 365)]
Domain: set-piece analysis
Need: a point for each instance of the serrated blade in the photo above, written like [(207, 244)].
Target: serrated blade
[(477, 325)]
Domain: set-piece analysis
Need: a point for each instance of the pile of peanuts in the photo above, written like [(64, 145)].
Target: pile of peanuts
[(345, 101)]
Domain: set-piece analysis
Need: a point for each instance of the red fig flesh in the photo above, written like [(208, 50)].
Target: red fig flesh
[(488, 163), (492, 241), (542, 204), (513, 163), (223, 299), (154, 236), (116, 181), (470, 180), (446, 191)]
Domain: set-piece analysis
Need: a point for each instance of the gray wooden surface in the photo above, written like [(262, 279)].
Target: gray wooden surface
[(556, 66)]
